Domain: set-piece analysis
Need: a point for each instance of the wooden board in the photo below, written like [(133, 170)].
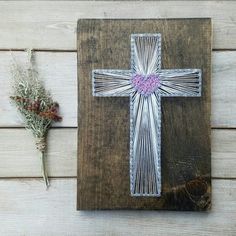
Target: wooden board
[(103, 159)]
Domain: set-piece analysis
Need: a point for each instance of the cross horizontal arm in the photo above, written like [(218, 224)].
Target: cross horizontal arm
[(112, 83), (180, 83)]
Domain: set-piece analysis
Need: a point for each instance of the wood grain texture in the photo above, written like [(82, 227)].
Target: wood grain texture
[(103, 137), (57, 70), (52, 25), (27, 209), (20, 159)]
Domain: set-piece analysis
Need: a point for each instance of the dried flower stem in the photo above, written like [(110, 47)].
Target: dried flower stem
[(44, 172), (41, 146)]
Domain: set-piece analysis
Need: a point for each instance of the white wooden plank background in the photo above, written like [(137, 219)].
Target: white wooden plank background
[(59, 72), (21, 159), (50, 27), (30, 210)]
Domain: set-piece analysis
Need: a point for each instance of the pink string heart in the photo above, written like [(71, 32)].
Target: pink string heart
[(146, 85)]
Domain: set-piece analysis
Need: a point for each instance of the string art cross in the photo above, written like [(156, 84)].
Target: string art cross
[(146, 83)]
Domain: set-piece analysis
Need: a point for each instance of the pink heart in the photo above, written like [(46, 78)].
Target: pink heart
[(146, 85)]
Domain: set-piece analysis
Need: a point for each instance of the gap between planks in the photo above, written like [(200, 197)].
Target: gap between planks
[(75, 177), (72, 50), (39, 50), (76, 127)]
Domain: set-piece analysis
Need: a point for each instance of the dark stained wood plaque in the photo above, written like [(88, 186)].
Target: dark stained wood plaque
[(103, 129)]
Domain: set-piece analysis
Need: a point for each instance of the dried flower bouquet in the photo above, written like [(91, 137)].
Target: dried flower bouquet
[(35, 104)]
